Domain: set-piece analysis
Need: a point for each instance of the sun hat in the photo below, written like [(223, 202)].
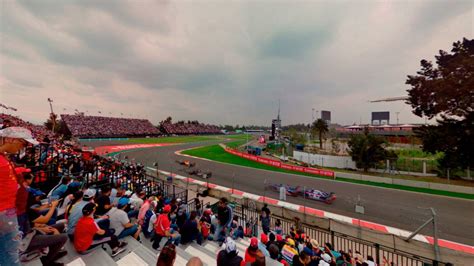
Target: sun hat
[(18, 133)]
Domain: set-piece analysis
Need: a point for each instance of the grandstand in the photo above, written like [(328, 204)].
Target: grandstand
[(82, 126), (39, 132), (191, 127)]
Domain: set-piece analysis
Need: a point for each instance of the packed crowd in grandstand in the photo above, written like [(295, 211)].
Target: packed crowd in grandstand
[(57, 193), (82, 126), (39, 132), (183, 128)]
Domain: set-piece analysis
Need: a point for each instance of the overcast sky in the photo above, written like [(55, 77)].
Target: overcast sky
[(220, 62)]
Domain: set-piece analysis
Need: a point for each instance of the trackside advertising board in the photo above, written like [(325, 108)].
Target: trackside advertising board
[(278, 164)]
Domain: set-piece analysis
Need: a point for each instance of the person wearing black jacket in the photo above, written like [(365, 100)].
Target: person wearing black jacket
[(224, 217), (229, 256)]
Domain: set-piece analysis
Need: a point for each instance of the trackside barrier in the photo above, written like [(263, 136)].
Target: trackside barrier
[(279, 164), (344, 235)]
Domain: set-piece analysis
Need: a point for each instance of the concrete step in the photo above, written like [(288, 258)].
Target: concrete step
[(205, 255)]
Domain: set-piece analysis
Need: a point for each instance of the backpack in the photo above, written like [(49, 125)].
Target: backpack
[(146, 219)]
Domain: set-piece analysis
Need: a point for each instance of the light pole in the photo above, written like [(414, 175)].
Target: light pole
[(53, 117)]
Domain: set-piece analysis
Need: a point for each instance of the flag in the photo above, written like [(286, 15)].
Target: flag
[(13, 109), (3, 106)]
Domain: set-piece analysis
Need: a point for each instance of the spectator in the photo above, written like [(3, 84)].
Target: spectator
[(194, 261), (60, 191), (144, 209), (274, 251), (190, 230), (103, 201), (325, 260), (50, 237), (76, 211), (121, 224), (229, 255), (88, 234), (265, 218), (278, 229), (167, 256), (163, 229), (13, 139), (302, 259), (251, 252), (271, 240), (147, 227), (224, 220), (24, 181), (288, 251)]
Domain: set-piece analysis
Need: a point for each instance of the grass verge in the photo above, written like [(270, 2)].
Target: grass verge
[(217, 153)]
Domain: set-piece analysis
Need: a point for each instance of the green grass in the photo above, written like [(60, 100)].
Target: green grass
[(217, 153)]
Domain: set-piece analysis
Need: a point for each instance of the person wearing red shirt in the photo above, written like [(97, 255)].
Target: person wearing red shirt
[(163, 229), (88, 234), (12, 140)]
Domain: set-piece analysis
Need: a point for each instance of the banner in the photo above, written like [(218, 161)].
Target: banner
[(281, 165)]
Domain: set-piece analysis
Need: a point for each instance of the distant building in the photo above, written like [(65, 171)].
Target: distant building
[(380, 118), (326, 116)]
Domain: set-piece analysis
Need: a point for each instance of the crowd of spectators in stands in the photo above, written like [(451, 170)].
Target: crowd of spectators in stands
[(82, 126), (186, 128), (119, 206), (38, 131)]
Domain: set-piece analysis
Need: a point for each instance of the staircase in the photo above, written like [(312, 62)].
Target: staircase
[(142, 254)]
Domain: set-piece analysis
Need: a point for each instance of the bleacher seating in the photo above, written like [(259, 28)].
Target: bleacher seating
[(39, 132), (187, 128), (82, 126)]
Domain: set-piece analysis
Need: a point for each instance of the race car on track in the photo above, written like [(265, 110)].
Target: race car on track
[(319, 195), (186, 163), (290, 191), (200, 173)]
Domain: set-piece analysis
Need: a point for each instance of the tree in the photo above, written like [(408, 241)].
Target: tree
[(446, 91), (368, 150), (321, 127)]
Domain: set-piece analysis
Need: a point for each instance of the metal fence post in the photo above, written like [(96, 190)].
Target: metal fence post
[(377, 254)]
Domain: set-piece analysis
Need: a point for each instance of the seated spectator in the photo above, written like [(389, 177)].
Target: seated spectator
[(89, 235), (147, 226), (190, 230), (288, 251), (76, 211), (251, 252), (120, 222), (229, 255), (44, 236), (44, 215), (271, 240), (274, 251), (301, 259), (194, 261), (167, 256), (103, 201), (163, 229), (325, 260), (60, 191), (136, 202), (143, 210)]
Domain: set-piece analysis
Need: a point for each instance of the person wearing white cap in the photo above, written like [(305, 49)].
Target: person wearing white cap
[(229, 255), (325, 260), (76, 211), (12, 141)]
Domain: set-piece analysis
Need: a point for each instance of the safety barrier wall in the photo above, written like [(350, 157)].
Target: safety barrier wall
[(279, 164)]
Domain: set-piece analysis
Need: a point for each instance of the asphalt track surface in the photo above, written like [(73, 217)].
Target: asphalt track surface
[(402, 209)]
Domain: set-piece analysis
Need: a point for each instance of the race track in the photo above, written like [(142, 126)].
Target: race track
[(401, 209)]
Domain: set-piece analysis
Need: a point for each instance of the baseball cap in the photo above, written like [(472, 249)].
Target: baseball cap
[(279, 238), (18, 133), (263, 238), (128, 193), (167, 208), (122, 202), (254, 242), (326, 257), (230, 245), (22, 170), (89, 194)]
